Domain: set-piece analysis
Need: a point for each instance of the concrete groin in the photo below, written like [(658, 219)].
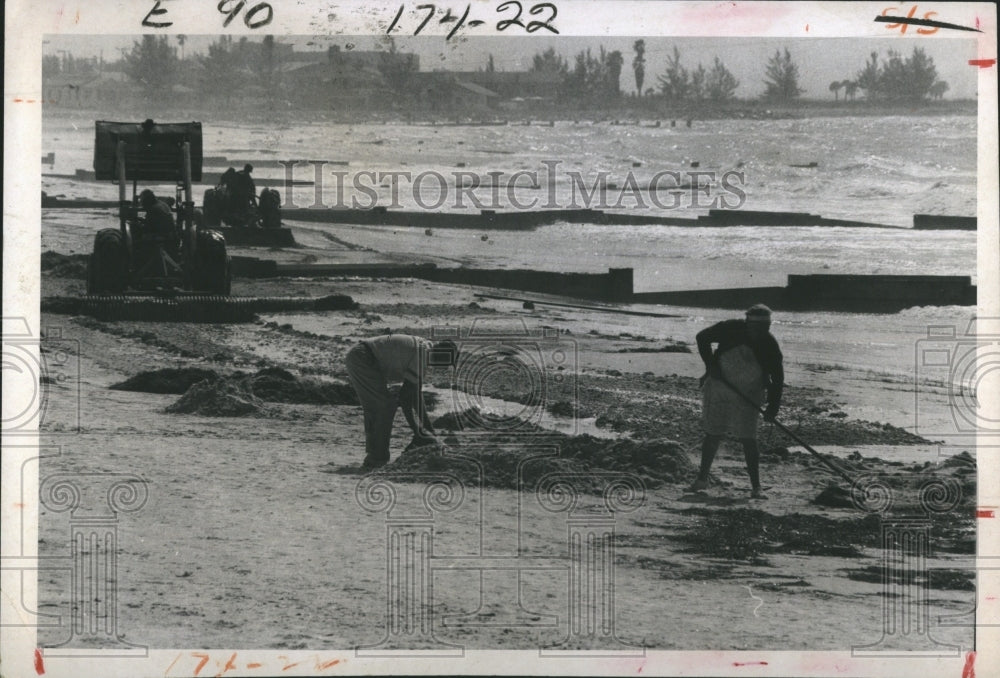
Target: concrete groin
[(262, 237), (939, 222), (530, 219), (735, 297), (830, 292), (482, 220), (615, 285), (878, 292), (82, 204), (849, 293)]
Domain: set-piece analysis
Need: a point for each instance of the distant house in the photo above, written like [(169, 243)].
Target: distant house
[(442, 91), (379, 60), (345, 79), (470, 94), (512, 84), (325, 86)]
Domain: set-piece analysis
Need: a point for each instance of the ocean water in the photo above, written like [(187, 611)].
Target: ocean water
[(680, 258), (882, 170), (870, 169)]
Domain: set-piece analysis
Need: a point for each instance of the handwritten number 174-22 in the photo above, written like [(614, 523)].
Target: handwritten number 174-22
[(546, 11)]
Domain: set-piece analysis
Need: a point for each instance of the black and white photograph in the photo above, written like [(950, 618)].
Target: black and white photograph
[(501, 337)]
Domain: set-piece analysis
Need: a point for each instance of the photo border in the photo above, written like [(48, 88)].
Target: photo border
[(26, 23)]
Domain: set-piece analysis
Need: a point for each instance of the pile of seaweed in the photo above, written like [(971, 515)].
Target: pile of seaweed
[(949, 579), (278, 385), (168, 380), (238, 394), (892, 487), (512, 460), (64, 266), (750, 535), (219, 398)]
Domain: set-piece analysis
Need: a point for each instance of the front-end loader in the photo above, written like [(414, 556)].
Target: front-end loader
[(146, 254), (162, 264)]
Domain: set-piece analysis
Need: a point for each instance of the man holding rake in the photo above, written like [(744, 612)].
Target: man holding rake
[(746, 364)]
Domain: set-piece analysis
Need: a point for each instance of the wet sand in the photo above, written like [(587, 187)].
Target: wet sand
[(253, 537)]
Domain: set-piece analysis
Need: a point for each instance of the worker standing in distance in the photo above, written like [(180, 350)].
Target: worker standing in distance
[(246, 193), (371, 365), (748, 361), (227, 188)]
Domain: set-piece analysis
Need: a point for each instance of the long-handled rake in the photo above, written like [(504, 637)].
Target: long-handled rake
[(784, 429)]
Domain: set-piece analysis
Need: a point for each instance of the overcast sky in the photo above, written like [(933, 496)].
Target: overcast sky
[(820, 60)]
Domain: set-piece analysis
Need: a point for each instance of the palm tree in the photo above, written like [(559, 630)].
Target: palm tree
[(614, 64), (938, 89), (639, 64), (835, 88)]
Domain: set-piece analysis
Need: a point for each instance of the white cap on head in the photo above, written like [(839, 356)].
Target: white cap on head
[(758, 313)]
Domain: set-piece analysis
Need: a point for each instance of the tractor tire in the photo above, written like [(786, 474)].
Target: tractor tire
[(212, 209), (212, 270), (270, 208), (107, 268)]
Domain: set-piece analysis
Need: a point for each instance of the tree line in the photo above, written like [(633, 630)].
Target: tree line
[(598, 76), (155, 63), (894, 78), (910, 79)]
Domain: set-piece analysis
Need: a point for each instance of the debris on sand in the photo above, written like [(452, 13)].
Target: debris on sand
[(960, 460), (562, 408), (63, 266), (834, 497), (169, 380), (493, 466), (883, 486), (335, 302), (240, 394), (474, 418), (506, 462), (670, 407), (749, 534), (937, 578), (669, 347), (218, 398), (281, 386), (656, 461)]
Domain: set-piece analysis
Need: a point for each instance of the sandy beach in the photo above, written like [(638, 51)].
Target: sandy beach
[(253, 535), (555, 515)]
